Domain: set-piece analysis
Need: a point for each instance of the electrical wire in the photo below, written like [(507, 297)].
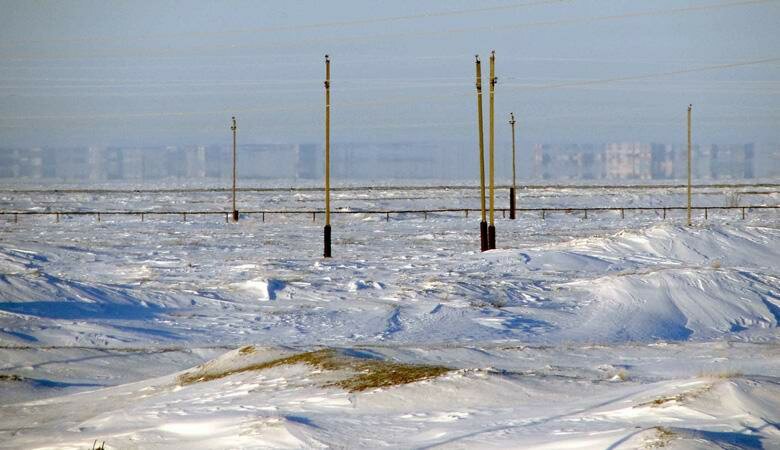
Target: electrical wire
[(403, 35), (403, 99), (313, 26), (647, 76)]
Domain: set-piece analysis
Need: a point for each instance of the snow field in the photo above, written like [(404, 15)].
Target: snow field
[(575, 333)]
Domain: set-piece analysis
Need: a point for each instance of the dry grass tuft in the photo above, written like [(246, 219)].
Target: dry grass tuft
[(377, 374), (622, 375), (663, 437), (11, 377), (725, 375), (679, 398), (247, 350), (366, 373)]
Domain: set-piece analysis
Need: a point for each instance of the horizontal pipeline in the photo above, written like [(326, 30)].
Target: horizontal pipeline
[(393, 211)]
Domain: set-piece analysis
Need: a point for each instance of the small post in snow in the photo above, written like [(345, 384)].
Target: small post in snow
[(233, 129), (512, 190)]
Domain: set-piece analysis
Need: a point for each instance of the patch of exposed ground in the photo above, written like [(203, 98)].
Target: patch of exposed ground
[(363, 373), (678, 398)]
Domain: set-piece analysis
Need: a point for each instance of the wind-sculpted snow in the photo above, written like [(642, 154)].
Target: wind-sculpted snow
[(675, 244), (587, 333), (251, 401), (678, 304), (206, 282)]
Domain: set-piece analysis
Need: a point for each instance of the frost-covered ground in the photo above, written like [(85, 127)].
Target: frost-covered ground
[(575, 333)]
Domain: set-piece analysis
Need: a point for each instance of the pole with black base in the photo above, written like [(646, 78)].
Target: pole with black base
[(233, 129), (512, 190), (492, 225), (483, 227), (326, 252)]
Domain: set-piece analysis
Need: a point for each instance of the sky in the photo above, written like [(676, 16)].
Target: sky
[(573, 71)]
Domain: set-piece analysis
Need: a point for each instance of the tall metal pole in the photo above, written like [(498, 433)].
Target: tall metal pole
[(483, 228), (689, 164), (235, 211), (492, 225), (513, 189), (326, 252)]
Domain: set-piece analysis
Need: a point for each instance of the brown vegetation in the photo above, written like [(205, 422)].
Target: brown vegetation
[(679, 398), (662, 438), (10, 377), (365, 373)]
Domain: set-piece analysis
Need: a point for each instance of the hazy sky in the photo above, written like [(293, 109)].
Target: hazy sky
[(173, 72)]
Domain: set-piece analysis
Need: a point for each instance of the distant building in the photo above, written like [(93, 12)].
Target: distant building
[(628, 161), (21, 163), (367, 161), (194, 162), (643, 161), (217, 159), (662, 161), (727, 161), (310, 164), (568, 162), (267, 161)]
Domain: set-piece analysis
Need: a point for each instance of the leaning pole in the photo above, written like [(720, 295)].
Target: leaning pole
[(326, 252), (483, 228)]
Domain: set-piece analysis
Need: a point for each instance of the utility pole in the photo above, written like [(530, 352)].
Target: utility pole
[(233, 129), (326, 253), (514, 180), (483, 228), (492, 225), (689, 164)]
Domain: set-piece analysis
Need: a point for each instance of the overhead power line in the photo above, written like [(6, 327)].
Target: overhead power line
[(646, 76), (193, 51), (403, 99), (312, 26)]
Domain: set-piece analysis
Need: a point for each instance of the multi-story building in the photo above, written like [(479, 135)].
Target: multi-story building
[(359, 161), (628, 161), (568, 162)]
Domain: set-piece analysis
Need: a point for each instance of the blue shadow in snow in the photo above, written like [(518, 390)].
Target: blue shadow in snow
[(149, 331), (23, 336), (727, 439), (73, 310), (302, 420), (43, 383)]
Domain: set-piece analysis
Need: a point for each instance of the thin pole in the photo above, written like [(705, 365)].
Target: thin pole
[(483, 229), (512, 200), (512, 123), (233, 129), (492, 225), (327, 253), (689, 164)]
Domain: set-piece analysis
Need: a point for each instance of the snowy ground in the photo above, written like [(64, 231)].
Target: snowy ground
[(575, 333)]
